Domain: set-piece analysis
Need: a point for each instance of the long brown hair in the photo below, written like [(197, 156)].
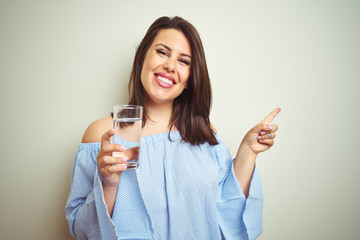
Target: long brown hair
[(191, 109)]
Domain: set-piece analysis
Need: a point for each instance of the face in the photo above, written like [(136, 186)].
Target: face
[(166, 66)]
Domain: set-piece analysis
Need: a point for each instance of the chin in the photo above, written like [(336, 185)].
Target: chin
[(162, 101)]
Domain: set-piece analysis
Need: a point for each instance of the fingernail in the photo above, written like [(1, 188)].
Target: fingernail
[(270, 127), (262, 133), (122, 148), (124, 167), (261, 140), (123, 160), (258, 137)]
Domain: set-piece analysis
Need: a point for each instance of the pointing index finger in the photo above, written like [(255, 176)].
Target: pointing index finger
[(271, 116)]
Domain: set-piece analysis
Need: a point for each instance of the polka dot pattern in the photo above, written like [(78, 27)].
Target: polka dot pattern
[(179, 191)]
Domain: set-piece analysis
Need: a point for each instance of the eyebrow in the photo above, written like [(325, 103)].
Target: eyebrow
[(169, 49)]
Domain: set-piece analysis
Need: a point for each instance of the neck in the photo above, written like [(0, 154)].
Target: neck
[(159, 116), (159, 113)]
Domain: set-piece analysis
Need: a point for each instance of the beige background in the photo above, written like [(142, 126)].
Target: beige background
[(65, 64)]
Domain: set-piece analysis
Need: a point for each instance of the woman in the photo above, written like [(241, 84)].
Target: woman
[(187, 186)]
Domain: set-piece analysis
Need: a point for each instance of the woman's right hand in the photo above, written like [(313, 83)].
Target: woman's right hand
[(111, 167)]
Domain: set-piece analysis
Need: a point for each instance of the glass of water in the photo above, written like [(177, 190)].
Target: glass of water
[(127, 124)]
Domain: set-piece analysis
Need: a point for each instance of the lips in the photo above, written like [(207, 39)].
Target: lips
[(164, 80)]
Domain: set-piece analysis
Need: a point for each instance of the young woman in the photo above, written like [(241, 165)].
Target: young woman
[(187, 185)]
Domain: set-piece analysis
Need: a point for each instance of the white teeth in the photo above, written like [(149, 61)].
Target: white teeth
[(165, 80)]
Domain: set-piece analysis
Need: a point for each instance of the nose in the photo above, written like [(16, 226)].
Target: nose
[(170, 66)]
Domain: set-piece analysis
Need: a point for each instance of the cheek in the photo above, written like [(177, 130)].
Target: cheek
[(146, 71), (147, 64), (142, 76)]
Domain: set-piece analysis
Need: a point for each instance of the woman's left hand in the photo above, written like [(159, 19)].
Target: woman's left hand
[(261, 137)]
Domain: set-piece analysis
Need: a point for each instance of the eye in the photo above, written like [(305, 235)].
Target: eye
[(161, 52), (184, 61)]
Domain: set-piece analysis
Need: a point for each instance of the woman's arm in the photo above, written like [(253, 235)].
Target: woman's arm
[(86, 210), (260, 138), (110, 172), (91, 199)]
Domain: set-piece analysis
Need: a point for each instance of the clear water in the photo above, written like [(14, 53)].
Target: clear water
[(129, 129)]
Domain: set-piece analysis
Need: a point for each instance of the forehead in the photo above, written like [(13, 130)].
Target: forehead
[(174, 39)]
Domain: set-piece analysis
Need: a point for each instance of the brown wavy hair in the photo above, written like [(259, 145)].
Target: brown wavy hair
[(191, 109)]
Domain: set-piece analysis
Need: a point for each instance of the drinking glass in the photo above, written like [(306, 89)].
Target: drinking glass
[(127, 124)]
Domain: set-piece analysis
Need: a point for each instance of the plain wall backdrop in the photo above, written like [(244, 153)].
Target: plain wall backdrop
[(64, 64)]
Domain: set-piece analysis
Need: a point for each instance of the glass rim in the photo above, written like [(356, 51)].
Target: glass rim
[(128, 106)]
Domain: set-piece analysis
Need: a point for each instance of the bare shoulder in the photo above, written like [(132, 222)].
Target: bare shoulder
[(96, 129), (213, 128)]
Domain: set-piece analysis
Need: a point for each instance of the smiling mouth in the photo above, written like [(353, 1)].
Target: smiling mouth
[(165, 80)]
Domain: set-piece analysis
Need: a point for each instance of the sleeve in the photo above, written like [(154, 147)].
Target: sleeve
[(85, 209), (239, 217)]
